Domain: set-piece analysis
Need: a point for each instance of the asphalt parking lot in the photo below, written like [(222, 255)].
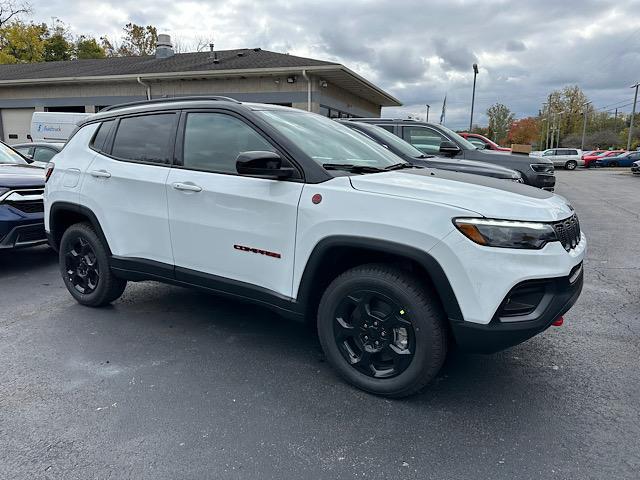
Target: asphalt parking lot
[(172, 383)]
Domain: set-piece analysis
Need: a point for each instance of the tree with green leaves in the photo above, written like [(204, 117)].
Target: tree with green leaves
[(500, 121), (58, 43), (22, 42), (87, 47), (137, 41)]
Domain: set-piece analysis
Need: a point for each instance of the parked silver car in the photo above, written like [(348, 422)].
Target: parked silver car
[(568, 158)]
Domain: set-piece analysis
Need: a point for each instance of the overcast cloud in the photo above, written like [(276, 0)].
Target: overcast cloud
[(417, 50)]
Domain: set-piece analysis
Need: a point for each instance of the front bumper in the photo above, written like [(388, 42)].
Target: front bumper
[(501, 333), (544, 181), (20, 229), (635, 169)]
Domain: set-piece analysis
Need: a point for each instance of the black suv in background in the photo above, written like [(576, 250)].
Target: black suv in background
[(438, 139), (411, 154)]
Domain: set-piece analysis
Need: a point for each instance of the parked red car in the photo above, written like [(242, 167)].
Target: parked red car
[(478, 139), (589, 160)]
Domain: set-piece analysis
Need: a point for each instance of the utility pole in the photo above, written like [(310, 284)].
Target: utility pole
[(548, 121), (473, 95), (584, 123), (428, 107), (633, 114)]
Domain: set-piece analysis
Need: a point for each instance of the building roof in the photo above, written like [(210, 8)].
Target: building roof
[(196, 64)]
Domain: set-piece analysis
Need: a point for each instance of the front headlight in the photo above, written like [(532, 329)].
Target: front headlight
[(506, 233)]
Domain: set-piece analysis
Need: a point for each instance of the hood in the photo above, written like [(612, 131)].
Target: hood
[(470, 166), (486, 196), (21, 176)]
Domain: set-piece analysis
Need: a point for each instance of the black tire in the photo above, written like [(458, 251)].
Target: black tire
[(571, 165), (614, 164), (424, 338), (85, 269)]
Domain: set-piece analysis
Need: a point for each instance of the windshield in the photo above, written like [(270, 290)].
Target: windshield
[(328, 142), (7, 155), (463, 142), (394, 141)]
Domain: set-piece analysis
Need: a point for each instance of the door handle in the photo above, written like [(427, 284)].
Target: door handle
[(187, 187), (100, 174)]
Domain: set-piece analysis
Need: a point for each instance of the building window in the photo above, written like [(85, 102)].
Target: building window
[(72, 109), (335, 113)]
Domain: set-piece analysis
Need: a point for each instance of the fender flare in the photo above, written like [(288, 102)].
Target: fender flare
[(78, 209), (427, 262)]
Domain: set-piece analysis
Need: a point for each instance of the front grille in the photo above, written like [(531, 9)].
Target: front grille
[(27, 201), (568, 232), (31, 206)]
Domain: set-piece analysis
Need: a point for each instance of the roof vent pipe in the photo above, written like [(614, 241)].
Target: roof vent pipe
[(164, 47), (214, 55)]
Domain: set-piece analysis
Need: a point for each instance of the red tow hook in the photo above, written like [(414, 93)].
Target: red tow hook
[(558, 322)]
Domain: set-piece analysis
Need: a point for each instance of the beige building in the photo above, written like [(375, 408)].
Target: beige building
[(253, 75)]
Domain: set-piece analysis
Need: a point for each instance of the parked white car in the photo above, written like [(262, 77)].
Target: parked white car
[(568, 158), (295, 212)]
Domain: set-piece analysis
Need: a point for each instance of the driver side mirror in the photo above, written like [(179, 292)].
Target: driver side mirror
[(262, 164), (449, 148)]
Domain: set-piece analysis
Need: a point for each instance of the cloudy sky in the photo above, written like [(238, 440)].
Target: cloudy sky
[(417, 50)]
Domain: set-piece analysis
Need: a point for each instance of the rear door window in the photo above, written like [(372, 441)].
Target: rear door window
[(423, 138), (99, 139), (43, 154), (145, 138)]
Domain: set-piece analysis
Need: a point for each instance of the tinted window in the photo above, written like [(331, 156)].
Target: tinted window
[(7, 155), (213, 141), (101, 135), (424, 139), (43, 154), (145, 138), (23, 150)]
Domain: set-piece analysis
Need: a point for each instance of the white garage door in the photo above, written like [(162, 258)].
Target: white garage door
[(16, 124)]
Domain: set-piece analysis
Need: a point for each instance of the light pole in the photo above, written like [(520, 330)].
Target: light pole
[(473, 95), (584, 124), (428, 107), (633, 114)]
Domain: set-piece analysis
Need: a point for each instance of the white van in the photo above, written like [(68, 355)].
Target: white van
[(54, 126)]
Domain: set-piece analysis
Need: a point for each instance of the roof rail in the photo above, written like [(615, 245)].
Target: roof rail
[(170, 99)]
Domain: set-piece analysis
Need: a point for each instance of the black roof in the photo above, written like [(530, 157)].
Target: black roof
[(181, 62)]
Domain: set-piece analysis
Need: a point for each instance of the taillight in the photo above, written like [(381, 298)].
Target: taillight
[(48, 171)]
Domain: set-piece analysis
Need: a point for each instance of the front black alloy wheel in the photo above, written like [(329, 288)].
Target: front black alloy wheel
[(382, 329), (374, 334), (81, 264)]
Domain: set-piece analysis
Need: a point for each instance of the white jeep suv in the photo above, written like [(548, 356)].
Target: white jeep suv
[(299, 213)]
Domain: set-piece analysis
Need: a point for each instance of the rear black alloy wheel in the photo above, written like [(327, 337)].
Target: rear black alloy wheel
[(374, 334), (382, 329), (82, 266), (571, 165), (85, 267)]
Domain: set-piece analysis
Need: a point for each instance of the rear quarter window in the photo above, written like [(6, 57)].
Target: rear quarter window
[(100, 137)]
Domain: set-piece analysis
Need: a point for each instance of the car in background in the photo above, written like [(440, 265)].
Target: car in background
[(590, 161), (590, 157), (431, 139), (625, 159), (21, 203), (635, 168), (481, 141), (568, 158), (411, 154), (40, 153)]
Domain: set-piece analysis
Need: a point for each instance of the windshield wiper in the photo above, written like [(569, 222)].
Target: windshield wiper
[(352, 168), (399, 166)]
